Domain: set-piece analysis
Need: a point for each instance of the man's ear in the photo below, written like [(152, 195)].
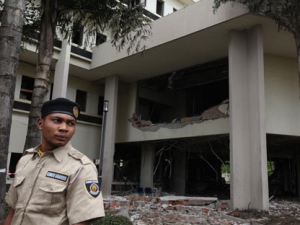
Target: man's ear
[(39, 123)]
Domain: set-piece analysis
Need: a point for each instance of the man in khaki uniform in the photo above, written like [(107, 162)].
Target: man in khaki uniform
[(54, 183)]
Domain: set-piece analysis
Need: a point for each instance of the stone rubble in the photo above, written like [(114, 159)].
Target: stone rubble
[(181, 210), (177, 210)]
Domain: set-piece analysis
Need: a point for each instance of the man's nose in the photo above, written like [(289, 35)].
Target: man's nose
[(63, 126)]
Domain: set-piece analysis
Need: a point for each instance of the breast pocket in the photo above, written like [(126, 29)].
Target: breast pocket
[(18, 180), (51, 197)]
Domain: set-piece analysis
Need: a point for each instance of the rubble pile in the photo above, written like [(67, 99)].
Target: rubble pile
[(287, 212), (181, 210)]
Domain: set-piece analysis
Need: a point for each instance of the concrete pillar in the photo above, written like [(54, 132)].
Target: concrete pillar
[(62, 71), (110, 94), (179, 172), (248, 155), (147, 165)]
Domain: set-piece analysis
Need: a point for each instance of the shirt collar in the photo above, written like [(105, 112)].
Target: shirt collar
[(58, 153), (61, 152)]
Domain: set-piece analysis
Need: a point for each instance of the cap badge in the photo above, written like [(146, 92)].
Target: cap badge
[(75, 111)]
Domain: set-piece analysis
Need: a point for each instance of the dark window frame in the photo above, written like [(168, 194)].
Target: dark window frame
[(160, 7), (26, 90), (100, 105), (81, 99)]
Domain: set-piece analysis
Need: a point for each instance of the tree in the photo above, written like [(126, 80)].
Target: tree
[(10, 39), (286, 14), (54, 17)]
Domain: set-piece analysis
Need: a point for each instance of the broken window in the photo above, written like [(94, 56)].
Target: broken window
[(127, 166), (184, 94)]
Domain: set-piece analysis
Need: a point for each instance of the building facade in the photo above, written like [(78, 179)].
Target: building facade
[(212, 92)]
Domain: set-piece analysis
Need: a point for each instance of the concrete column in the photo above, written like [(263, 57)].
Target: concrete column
[(62, 71), (248, 155), (179, 172), (110, 94), (147, 165)]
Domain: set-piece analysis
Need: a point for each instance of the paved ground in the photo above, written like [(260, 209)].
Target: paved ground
[(180, 210)]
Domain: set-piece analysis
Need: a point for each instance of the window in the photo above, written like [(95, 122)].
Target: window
[(77, 36), (100, 38), (134, 2), (100, 105), (13, 162), (27, 84), (81, 97), (160, 7)]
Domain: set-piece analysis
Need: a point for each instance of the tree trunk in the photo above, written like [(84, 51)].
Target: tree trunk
[(41, 84), (297, 41), (298, 57), (10, 40)]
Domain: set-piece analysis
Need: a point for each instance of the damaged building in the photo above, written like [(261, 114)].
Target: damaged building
[(209, 108)]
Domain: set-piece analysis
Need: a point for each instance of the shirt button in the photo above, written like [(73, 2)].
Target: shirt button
[(50, 188)]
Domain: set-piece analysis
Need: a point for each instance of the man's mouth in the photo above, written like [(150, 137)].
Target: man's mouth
[(61, 138)]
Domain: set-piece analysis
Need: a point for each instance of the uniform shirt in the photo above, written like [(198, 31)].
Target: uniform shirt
[(58, 188)]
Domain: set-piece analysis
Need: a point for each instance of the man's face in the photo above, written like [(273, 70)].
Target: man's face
[(57, 130)]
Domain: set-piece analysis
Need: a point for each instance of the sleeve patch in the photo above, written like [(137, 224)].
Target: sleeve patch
[(92, 187)]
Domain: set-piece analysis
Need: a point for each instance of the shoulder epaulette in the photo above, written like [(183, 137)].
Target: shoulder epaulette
[(79, 156)]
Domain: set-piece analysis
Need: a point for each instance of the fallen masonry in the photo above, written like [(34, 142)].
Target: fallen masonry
[(167, 210), (179, 210)]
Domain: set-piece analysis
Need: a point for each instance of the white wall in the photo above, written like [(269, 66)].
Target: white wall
[(87, 139), (151, 6), (18, 131), (175, 4), (93, 93), (282, 96)]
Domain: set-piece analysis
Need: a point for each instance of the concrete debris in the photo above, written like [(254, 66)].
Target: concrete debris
[(181, 210), (215, 112)]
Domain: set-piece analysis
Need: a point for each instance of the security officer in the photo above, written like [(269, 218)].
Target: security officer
[(54, 183)]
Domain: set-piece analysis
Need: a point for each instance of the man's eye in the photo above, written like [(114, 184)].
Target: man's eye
[(71, 123)]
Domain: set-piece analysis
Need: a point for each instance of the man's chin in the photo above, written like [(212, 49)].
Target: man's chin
[(60, 144)]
